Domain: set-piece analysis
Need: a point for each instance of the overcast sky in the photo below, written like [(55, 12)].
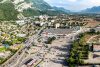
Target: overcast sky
[(75, 5)]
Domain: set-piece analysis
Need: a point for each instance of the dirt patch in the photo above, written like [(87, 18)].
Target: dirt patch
[(92, 23)]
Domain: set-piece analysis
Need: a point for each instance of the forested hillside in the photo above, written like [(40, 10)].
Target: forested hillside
[(7, 11)]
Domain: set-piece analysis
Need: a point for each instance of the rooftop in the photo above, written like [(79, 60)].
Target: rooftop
[(97, 29), (96, 47), (58, 31)]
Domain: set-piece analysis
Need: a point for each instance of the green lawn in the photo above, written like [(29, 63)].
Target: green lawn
[(2, 49)]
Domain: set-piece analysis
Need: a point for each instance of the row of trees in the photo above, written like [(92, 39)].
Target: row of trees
[(77, 24), (50, 39), (80, 49), (15, 41), (78, 52), (93, 31)]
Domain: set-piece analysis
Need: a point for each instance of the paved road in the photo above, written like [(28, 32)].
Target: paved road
[(38, 56), (28, 43), (16, 57)]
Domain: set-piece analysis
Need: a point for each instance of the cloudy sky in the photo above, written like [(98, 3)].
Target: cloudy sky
[(75, 5)]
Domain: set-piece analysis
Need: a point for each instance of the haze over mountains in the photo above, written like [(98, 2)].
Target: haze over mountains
[(43, 6), (13, 8), (95, 9)]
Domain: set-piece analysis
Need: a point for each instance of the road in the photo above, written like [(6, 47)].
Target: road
[(52, 54), (38, 56), (28, 43), (41, 54)]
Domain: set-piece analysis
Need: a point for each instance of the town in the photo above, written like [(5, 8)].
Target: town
[(51, 41)]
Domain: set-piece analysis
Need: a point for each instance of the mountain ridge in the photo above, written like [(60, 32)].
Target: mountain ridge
[(40, 7), (95, 9), (27, 8)]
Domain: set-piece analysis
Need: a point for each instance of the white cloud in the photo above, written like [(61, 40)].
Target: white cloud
[(72, 0), (95, 2)]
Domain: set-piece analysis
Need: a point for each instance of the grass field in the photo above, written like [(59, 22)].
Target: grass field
[(2, 49)]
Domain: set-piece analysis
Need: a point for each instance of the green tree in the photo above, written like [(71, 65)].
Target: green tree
[(92, 31), (7, 11)]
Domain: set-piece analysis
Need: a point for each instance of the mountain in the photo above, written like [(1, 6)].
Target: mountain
[(37, 7), (39, 4), (8, 11), (95, 9), (61, 9), (41, 7), (12, 9)]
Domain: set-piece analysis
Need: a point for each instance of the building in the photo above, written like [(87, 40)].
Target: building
[(97, 29), (21, 35), (5, 54), (42, 17), (58, 33), (20, 22), (38, 23), (96, 48), (57, 25), (26, 63)]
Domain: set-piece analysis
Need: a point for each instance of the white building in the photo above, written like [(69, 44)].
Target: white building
[(43, 17), (21, 22), (97, 29), (57, 25), (21, 35), (40, 23)]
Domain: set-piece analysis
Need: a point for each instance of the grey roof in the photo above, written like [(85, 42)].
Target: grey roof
[(97, 29), (58, 31)]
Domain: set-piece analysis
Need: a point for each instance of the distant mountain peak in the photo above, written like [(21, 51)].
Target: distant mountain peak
[(95, 9), (61, 9)]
